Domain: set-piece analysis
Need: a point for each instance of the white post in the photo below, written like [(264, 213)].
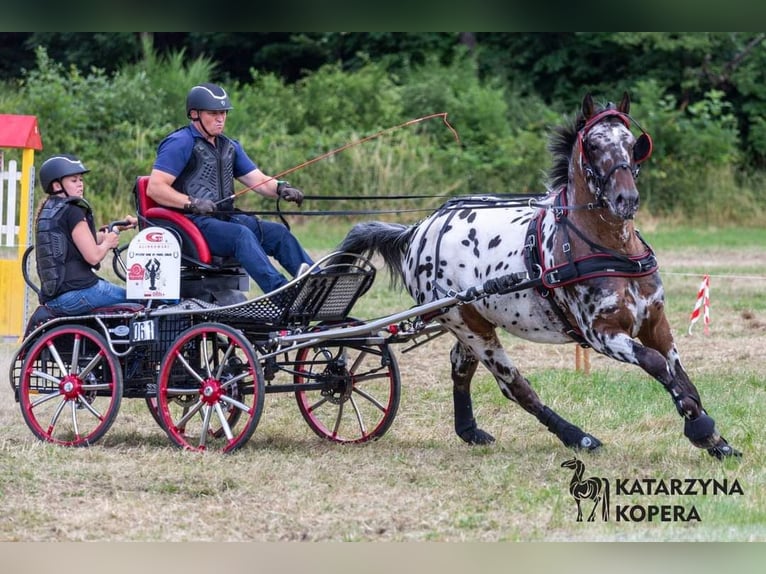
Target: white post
[(2, 185), (10, 203)]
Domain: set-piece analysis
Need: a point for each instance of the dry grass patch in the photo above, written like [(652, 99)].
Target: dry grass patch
[(420, 482)]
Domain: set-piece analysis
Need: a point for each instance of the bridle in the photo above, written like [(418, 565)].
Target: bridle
[(642, 149)]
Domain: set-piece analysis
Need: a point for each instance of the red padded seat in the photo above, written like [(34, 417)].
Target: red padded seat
[(193, 243)]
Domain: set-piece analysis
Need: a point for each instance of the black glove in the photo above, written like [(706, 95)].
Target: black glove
[(200, 205), (289, 193)]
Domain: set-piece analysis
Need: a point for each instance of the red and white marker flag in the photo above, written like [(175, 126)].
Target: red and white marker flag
[(702, 306)]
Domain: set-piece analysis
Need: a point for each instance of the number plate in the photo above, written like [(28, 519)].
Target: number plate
[(141, 331)]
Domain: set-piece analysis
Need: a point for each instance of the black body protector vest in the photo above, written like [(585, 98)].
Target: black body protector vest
[(53, 244), (209, 174)]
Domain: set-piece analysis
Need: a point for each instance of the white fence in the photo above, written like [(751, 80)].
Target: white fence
[(10, 184)]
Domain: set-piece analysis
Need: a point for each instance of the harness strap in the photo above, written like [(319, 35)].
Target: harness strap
[(603, 263), (437, 288)]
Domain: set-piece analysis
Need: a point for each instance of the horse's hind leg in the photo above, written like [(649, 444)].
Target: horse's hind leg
[(464, 364), (477, 341)]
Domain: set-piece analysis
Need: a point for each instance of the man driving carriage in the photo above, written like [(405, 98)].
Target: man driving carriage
[(195, 169)]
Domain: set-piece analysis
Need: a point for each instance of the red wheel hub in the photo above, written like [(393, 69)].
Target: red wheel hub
[(211, 392), (71, 387)]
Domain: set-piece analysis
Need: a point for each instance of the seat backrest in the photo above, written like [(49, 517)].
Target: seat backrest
[(193, 244)]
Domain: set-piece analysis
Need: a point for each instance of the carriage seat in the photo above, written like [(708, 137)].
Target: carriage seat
[(203, 275), (43, 313), (194, 247)]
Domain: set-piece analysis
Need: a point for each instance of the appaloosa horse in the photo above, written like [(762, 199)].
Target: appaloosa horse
[(592, 279)]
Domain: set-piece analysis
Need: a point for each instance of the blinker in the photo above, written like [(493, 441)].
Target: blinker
[(642, 149)]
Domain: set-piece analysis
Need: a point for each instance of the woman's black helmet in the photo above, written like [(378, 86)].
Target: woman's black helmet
[(58, 166), (208, 97)]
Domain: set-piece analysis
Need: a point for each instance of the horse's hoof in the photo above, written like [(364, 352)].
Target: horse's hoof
[(477, 436), (701, 431), (588, 442), (724, 450)]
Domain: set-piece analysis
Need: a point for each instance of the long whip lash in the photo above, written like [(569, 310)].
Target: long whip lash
[(280, 175)]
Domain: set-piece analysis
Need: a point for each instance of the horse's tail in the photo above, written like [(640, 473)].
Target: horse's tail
[(389, 240)]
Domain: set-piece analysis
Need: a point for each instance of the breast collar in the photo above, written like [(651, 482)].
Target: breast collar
[(603, 262)]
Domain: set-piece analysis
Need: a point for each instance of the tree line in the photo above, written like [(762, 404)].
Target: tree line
[(702, 96)]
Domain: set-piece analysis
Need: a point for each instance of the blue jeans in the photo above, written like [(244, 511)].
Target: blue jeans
[(251, 241), (83, 301)]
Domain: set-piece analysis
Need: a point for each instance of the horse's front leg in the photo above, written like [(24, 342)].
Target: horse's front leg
[(699, 427), (658, 357)]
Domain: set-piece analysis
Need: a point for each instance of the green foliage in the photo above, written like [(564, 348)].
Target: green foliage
[(692, 169), (332, 132), (112, 122), (366, 100)]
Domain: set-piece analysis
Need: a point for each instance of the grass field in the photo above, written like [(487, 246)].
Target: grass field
[(420, 482)]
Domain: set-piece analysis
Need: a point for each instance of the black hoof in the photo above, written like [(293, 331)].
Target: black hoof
[(477, 436), (724, 450), (701, 431)]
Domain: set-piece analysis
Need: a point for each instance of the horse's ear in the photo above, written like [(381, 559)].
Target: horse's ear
[(587, 106), (625, 103)]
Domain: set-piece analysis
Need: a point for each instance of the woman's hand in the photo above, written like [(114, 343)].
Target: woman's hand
[(110, 240), (132, 222)]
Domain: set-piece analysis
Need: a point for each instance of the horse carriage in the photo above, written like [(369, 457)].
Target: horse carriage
[(567, 266), (203, 363)]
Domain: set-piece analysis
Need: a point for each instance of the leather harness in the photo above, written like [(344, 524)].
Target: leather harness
[(602, 263)]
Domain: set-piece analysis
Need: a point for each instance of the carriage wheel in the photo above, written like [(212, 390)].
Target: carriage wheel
[(71, 386), (210, 389), (359, 394), (151, 404)]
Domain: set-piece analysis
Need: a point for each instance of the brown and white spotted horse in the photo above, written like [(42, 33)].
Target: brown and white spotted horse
[(591, 277)]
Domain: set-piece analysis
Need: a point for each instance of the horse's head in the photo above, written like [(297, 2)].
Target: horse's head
[(571, 463), (608, 156)]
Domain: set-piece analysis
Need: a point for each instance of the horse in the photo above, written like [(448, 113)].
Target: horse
[(591, 278), (592, 488)]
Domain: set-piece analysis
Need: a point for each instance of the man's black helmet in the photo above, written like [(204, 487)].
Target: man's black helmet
[(208, 97), (58, 166)]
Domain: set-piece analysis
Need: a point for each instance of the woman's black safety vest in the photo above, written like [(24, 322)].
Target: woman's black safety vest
[(53, 242)]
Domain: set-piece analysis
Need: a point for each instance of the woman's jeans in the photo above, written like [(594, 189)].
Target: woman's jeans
[(83, 301)]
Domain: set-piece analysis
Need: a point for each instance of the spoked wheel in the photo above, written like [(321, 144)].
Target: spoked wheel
[(354, 392), (71, 386), (210, 389), (151, 404)]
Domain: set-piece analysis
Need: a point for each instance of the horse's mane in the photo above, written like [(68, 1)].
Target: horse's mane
[(561, 141)]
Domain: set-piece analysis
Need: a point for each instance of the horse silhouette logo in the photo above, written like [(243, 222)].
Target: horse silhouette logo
[(592, 488)]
